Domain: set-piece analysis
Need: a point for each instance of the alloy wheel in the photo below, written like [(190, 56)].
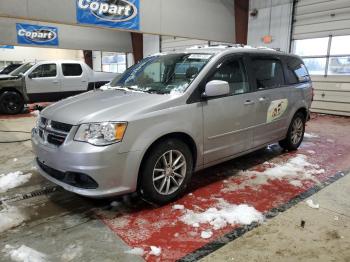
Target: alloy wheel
[(169, 172)]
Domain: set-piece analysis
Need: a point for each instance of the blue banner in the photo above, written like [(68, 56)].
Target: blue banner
[(7, 46), (122, 14), (37, 35)]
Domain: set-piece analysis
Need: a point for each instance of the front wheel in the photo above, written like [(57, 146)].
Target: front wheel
[(11, 103), (295, 133), (166, 172)]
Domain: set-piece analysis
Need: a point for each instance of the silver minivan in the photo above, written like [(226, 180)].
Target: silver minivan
[(171, 115)]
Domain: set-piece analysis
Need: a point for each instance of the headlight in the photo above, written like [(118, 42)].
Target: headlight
[(101, 134)]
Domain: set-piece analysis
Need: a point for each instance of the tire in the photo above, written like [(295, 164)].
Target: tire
[(295, 133), (157, 183), (11, 103)]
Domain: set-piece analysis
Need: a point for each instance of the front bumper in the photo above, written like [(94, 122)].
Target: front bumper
[(115, 173)]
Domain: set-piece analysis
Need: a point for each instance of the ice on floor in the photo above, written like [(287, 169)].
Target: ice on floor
[(310, 135), (222, 214), (311, 204), (178, 207), (12, 180), (206, 234), (137, 251), (11, 217), (24, 254), (155, 251), (295, 170)]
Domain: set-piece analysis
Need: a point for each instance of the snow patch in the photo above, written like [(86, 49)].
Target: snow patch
[(12, 180), (15, 160), (156, 251), (312, 152), (223, 214), (311, 204), (296, 183), (178, 207), (310, 135), (10, 217), (206, 234), (137, 251), (24, 254)]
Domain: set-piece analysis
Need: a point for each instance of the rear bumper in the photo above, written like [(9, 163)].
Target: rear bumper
[(115, 173)]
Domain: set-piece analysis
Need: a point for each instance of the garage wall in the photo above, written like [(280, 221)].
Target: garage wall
[(186, 18), (31, 54), (72, 37), (170, 44), (274, 18), (327, 19)]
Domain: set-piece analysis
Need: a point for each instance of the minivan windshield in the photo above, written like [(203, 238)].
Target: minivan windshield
[(162, 74), (22, 69)]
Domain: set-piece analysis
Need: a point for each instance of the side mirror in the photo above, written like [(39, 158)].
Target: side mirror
[(216, 88), (30, 76)]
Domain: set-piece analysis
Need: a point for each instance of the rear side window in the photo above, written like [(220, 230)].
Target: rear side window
[(72, 69), (296, 71), (268, 73)]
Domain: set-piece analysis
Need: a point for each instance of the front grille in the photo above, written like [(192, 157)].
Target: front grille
[(53, 132), (75, 179)]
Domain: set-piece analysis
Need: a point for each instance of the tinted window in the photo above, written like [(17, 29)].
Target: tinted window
[(268, 73), (232, 72), (9, 69), (72, 69), (46, 70), (296, 71)]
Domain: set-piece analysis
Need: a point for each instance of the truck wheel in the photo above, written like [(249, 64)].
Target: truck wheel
[(166, 172), (11, 102), (295, 133)]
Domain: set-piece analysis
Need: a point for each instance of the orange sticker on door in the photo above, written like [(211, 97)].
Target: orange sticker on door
[(276, 109)]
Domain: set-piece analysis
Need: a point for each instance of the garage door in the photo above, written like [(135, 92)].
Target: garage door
[(321, 35)]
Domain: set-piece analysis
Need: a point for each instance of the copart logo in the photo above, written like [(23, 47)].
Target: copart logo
[(38, 35), (110, 10)]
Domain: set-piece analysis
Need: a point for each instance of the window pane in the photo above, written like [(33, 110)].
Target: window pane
[(311, 47), (340, 45), (297, 72), (47, 70), (315, 66), (339, 65), (72, 69), (232, 72), (268, 73)]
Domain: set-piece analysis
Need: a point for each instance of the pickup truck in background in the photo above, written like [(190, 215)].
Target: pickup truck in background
[(48, 81)]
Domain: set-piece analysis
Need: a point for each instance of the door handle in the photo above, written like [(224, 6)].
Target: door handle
[(84, 81), (249, 102), (55, 81)]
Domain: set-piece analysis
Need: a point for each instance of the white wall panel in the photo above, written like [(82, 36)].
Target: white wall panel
[(170, 44), (273, 18)]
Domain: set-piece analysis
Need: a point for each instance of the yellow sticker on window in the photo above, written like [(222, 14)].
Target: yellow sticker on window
[(276, 109)]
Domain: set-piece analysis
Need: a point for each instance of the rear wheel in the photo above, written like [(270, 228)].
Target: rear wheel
[(166, 172), (295, 133), (11, 102)]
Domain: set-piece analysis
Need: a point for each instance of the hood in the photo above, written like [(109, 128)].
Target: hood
[(7, 77), (100, 106)]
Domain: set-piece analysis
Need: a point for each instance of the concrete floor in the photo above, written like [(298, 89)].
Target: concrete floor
[(63, 223)]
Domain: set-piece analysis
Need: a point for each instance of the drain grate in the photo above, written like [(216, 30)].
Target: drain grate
[(35, 193)]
